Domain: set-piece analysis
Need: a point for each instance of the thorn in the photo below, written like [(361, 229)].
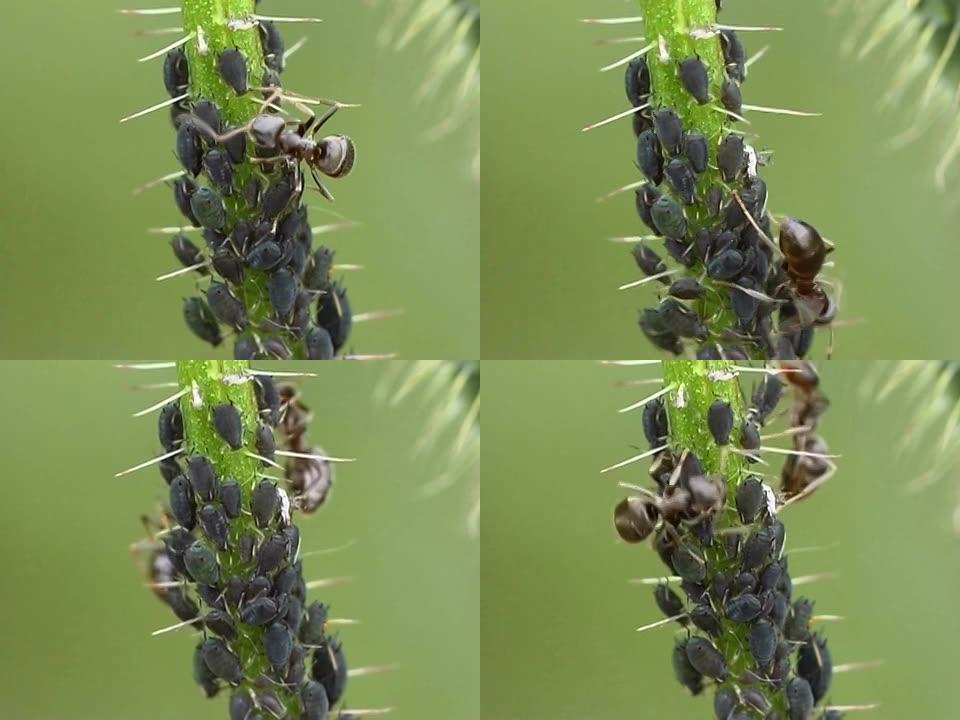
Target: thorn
[(151, 11), (641, 403), (147, 366), (655, 580), (801, 453), (758, 55), (624, 60), (780, 111), (268, 461), (155, 386), (635, 458), (854, 667), (279, 373), (159, 181), (172, 230), (181, 271), (159, 31), (616, 117), (370, 670), (308, 456), (630, 363), (613, 20), (644, 281), (172, 46), (290, 51), (634, 239), (659, 623), (852, 708), (807, 579), (382, 356), (342, 621), (274, 18), (621, 190), (176, 396), (148, 463), (154, 108), (749, 28), (179, 625), (375, 314), (328, 582)]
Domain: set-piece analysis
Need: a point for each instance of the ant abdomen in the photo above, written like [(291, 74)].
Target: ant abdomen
[(804, 251)]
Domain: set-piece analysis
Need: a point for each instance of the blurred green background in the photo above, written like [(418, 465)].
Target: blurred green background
[(558, 617), (76, 619), (549, 273), (76, 278)]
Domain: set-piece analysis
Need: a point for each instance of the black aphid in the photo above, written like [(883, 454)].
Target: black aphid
[(208, 208), (695, 148), (314, 701), (724, 702), (227, 423), (686, 289), (187, 253), (800, 700), (650, 156), (182, 504), (637, 81), (742, 608), (273, 47), (226, 307), (273, 551), (815, 665), (264, 255), (221, 661), (669, 129), (731, 96), (233, 69), (762, 638), (734, 55), (202, 563), (689, 564), (220, 623), (682, 321), (720, 421), (264, 502), (183, 190), (706, 619), (176, 72), (213, 520), (220, 170), (648, 260), (731, 157), (334, 315), (668, 217), (653, 327), (258, 611), (668, 601), (189, 149), (277, 646), (655, 427), (694, 78), (726, 265), (686, 673), (283, 291), (750, 498), (228, 265), (231, 498), (170, 426), (705, 657), (679, 173), (265, 442), (203, 478), (330, 668), (318, 344)]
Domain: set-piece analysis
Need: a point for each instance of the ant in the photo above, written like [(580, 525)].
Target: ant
[(332, 155), (804, 252), (802, 474)]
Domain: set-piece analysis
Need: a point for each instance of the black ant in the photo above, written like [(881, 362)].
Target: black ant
[(804, 473), (804, 252), (332, 155)]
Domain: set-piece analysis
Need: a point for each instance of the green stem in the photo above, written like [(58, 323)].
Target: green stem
[(210, 383)]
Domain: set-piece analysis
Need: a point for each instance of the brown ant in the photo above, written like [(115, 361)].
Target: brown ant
[(802, 474), (332, 155), (804, 252)]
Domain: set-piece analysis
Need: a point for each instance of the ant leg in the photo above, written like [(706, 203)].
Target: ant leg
[(320, 186), (326, 116)]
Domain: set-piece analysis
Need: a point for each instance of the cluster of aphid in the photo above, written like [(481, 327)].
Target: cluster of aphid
[(736, 294), (268, 284), (240, 582), (744, 629)]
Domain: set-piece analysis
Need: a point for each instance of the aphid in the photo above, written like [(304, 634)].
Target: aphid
[(213, 520), (252, 188), (679, 251), (744, 582), (650, 156), (669, 129), (233, 69), (724, 702), (228, 265), (680, 175), (335, 316), (188, 148), (655, 427), (209, 115), (713, 200), (208, 208), (645, 196), (264, 503), (734, 55), (294, 616), (708, 492), (799, 699), (750, 498), (730, 96), (170, 426), (653, 327), (314, 629), (705, 657), (726, 265), (236, 147), (668, 601), (187, 253), (694, 78), (668, 217), (245, 348), (246, 545), (762, 638), (203, 477), (695, 148), (227, 309), (682, 321), (258, 611), (202, 563), (648, 261), (815, 665), (731, 157), (720, 421), (688, 564), (756, 550), (202, 675), (221, 661), (276, 197), (317, 272), (264, 255), (277, 645), (183, 190), (220, 170), (318, 344), (685, 672), (273, 47), (241, 706), (765, 397), (637, 81), (686, 289), (314, 701), (742, 608), (706, 619), (330, 668), (283, 291), (219, 622), (227, 423), (265, 443), (182, 504), (298, 670), (176, 72), (750, 437), (273, 551), (755, 699), (797, 628), (635, 518)]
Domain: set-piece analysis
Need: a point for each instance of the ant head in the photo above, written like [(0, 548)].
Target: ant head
[(339, 155)]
